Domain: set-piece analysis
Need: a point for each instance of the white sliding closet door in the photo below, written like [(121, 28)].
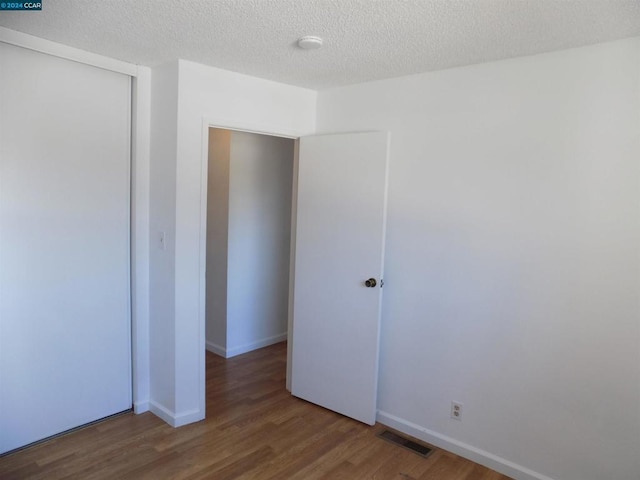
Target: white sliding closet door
[(64, 245)]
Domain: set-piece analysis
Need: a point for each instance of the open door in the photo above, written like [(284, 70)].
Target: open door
[(340, 228)]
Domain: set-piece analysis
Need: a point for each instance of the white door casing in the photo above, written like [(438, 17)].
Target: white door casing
[(65, 328), (340, 229)]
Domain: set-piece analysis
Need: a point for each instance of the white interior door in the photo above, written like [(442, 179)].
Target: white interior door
[(64, 245), (340, 226)]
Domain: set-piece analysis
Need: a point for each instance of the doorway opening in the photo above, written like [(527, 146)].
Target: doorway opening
[(248, 240)]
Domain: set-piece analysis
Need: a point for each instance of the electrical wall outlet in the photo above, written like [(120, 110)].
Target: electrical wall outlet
[(456, 411)]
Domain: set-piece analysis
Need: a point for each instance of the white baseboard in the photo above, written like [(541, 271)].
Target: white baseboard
[(140, 407), (239, 350), (265, 342), (217, 349), (162, 412), (173, 419), (472, 453)]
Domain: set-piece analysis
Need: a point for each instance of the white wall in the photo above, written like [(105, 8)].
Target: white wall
[(513, 258), (203, 96), (164, 109), (217, 239), (259, 240)]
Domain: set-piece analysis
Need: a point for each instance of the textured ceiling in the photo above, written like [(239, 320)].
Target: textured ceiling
[(364, 39)]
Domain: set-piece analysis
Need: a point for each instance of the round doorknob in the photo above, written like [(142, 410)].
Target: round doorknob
[(371, 283)]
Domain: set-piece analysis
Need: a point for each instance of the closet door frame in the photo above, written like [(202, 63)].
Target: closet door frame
[(139, 194)]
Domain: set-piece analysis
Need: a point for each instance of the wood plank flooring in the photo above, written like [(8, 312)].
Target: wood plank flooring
[(254, 430)]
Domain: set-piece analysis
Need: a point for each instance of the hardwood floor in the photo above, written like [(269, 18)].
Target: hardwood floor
[(254, 430)]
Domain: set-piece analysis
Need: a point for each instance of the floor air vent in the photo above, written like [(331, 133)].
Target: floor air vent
[(403, 442)]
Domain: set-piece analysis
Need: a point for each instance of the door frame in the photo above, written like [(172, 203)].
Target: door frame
[(248, 127)]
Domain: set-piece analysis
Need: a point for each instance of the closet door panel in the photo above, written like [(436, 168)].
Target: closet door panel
[(65, 349)]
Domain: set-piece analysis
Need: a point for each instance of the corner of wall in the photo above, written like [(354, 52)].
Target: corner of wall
[(173, 419), (162, 192)]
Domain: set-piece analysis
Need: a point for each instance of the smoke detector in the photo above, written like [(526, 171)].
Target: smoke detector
[(310, 42)]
